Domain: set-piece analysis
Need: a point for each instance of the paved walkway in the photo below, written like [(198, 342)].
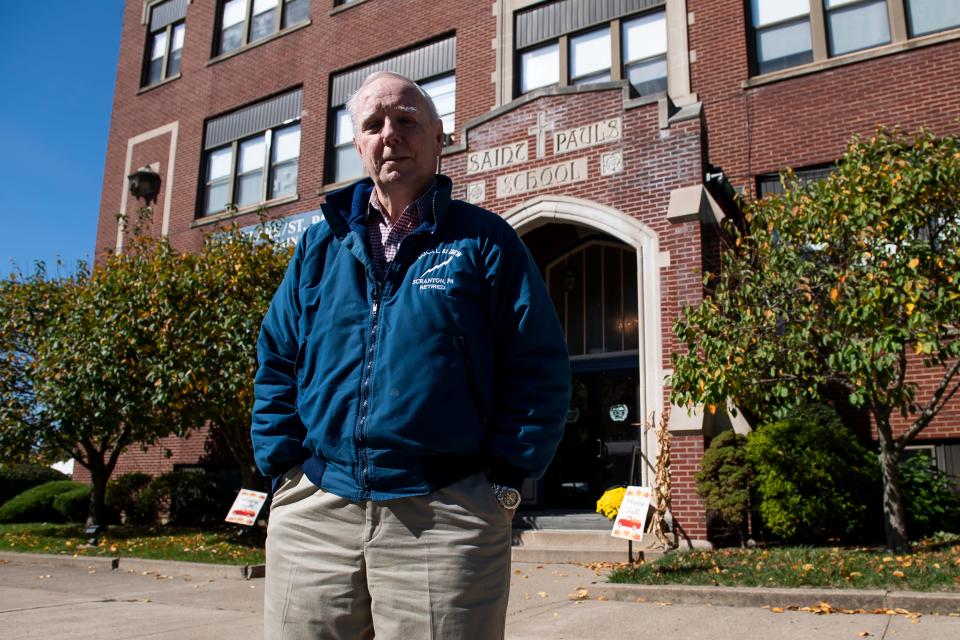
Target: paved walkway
[(89, 600)]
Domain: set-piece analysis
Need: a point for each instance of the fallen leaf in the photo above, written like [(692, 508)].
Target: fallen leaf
[(542, 594), (863, 634)]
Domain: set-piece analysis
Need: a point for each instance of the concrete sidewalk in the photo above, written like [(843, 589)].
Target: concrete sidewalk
[(80, 598)]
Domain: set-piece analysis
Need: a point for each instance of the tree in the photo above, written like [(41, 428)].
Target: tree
[(89, 363), (238, 274), (852, 282)]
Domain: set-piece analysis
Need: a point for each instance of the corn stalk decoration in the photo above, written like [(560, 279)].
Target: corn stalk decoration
[(661, 485)]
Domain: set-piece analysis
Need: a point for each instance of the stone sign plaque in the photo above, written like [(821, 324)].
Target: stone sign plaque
[(552, 175), (588, 135), (497, 158)]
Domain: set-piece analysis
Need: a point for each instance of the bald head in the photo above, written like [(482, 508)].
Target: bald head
[(376, 76)]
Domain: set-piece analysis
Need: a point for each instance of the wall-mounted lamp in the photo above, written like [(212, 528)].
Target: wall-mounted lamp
[(145, 185)]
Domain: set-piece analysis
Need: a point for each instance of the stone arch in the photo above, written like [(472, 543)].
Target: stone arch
[(547, 209)]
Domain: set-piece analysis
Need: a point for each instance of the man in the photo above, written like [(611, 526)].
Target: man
[(412, 374)]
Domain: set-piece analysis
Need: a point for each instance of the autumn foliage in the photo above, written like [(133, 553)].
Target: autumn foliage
[(851, 283)]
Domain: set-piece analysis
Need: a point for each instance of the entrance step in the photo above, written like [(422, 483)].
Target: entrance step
[(553, 546)]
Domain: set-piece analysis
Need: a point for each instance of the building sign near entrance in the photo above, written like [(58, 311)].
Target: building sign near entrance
[(632, 515), (497, 158), (286, 231), (552, 175), (588, 135)]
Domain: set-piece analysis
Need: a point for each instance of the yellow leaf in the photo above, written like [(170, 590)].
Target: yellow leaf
[(898, 574), (913, 263), (910, 307), (834, 294)]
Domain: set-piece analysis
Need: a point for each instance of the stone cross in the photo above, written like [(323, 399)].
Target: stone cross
[(540, 130)]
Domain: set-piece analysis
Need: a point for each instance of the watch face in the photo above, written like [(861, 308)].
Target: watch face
[(511, 498)]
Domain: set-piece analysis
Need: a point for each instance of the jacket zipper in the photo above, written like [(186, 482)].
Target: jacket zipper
[(364, 404)]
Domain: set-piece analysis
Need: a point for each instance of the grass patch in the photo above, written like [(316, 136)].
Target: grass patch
[(221, 546), (933, 566)]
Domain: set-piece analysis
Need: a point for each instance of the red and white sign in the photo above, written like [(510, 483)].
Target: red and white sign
[(632, 514), (246, 507)]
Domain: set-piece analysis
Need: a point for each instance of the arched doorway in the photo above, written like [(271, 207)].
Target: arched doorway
[(600, 266)]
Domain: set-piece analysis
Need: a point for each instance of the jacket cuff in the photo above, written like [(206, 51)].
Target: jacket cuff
[(506, 475)]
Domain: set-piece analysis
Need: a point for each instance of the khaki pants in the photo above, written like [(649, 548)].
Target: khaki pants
[(428, 567)]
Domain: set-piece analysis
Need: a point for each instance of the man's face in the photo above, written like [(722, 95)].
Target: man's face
[(396, 137)]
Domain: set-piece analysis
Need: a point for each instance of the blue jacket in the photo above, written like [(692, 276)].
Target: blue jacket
[(452, 364)]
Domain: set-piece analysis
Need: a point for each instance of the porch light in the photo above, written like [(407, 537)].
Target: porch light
[(145, 185)]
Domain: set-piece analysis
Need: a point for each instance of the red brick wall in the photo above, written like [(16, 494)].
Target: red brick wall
[(155, 459), (689, 514), (305, 57)]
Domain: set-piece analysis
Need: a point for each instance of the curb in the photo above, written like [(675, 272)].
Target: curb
[(934, 602), (171, 568)]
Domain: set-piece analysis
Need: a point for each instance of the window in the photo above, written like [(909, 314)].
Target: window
[(246, 21), (590, 57), (782, 30), (346, 159), (165, 41), (770, 184), (623, 45), (930, 16), (853, 25), (645, 53), (252, 155), (430, 65), (594, 289), (788, 33), (539, 67), (443, 92)]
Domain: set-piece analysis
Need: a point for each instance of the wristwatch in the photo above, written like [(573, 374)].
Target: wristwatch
[(508, 497)]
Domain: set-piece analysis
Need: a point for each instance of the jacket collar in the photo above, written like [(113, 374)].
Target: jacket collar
[(346, 209)]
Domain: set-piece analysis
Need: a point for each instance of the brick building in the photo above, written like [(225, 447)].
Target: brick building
[(597, 128)]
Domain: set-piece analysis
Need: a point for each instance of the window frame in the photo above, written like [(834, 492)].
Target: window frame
[(267, 169), (165, 74), (618, 63), (280, 11), (897, 23)]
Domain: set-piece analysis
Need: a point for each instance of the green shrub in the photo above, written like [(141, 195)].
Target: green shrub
[(74, 504), (129, 500), (36, 504), (814, 479), (187, 497), (725, 480), (928, 497), (17, 478)]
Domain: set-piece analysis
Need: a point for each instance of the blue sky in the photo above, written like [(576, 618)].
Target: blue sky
[(58, 63)]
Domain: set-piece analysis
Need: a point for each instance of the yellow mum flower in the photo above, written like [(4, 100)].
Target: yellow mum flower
[(609, 502)]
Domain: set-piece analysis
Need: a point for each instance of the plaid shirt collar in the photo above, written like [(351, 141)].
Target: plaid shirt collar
[(384, 236)]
